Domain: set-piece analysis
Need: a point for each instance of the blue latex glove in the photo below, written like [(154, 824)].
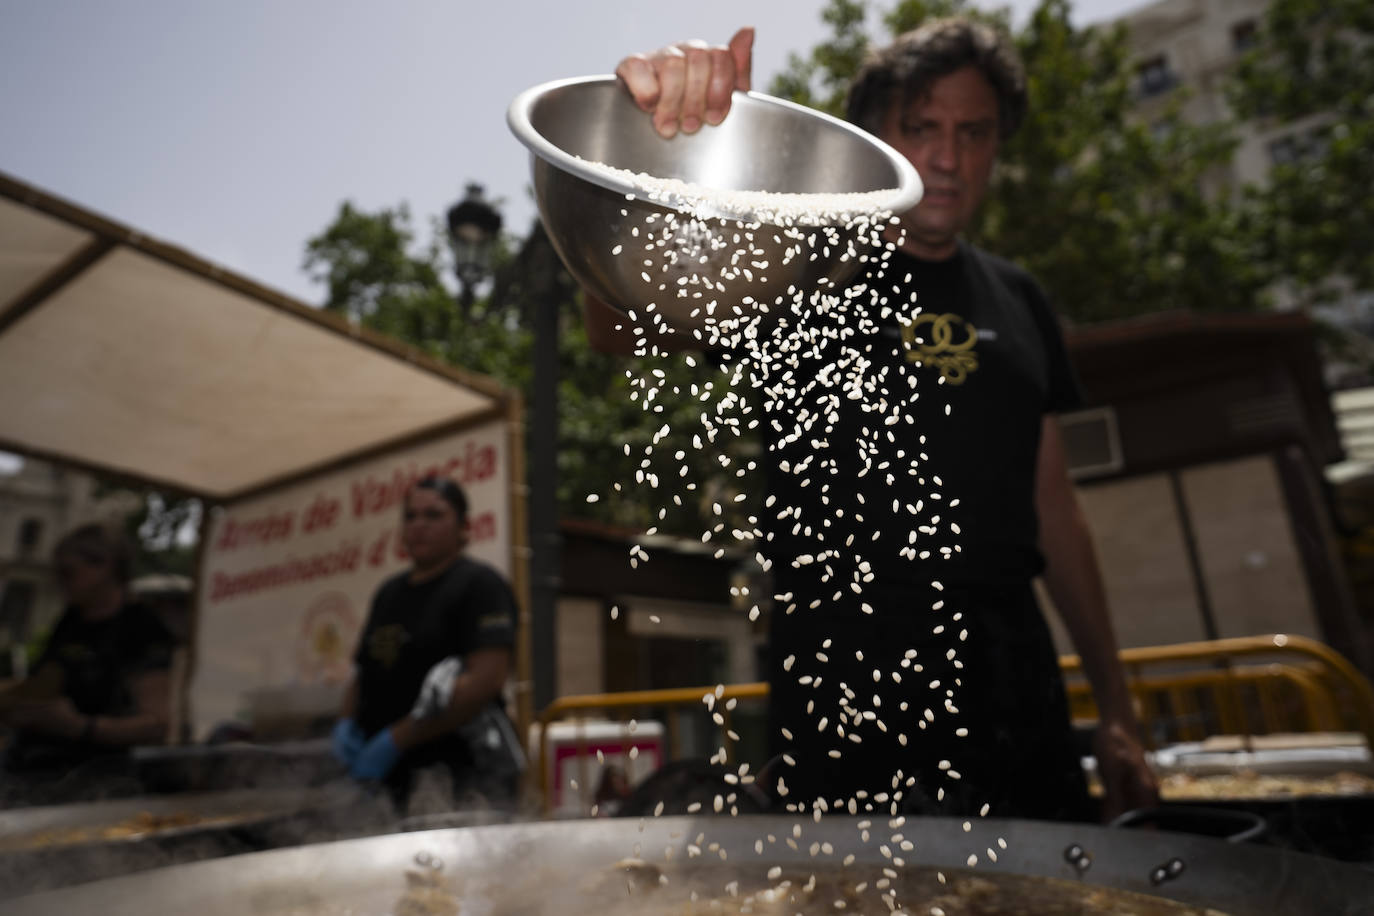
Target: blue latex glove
[(347, 741), (376, 758)]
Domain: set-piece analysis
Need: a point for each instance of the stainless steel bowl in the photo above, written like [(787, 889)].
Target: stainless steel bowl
[(764, 144)]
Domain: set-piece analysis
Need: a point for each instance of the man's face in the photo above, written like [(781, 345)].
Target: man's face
[(82, 575), (950, 136), (431, 530)]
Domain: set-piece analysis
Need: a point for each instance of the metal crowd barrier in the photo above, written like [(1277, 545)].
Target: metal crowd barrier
[(1315, 689), (1181, 707)]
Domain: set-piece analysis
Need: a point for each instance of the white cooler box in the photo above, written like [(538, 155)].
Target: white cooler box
[(574, 771)]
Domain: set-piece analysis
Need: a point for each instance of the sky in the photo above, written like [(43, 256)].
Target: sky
[(235, 130)]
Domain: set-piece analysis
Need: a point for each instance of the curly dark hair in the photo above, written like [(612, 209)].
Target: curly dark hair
[(906, 70)]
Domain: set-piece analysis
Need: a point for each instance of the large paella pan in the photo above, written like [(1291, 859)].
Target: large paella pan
[(738, 865)]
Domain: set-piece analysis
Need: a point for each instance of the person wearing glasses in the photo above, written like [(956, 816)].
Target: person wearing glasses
[(101, 684), (431, 663)]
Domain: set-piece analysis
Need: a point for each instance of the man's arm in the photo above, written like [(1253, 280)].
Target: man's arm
[(44, 683), (60, 718), (484, 674), (348, 709), (1075, 584), (152, 691)]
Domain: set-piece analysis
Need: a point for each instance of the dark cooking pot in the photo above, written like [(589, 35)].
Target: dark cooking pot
[(550, 865), (1339, 826), (1223, 823), (235, 765), (1309, 807)]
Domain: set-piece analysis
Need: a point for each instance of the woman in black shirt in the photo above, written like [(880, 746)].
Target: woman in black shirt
[(102, 683), (431, 662)]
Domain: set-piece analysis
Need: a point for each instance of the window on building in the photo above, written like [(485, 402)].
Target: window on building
[(1301, 146), (1318, 143), (1244, 35), (30, 534), (1284, 151), (1154, 76)]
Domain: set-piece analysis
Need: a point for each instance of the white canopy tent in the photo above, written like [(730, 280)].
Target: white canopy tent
[(125, 355), (135, 359)]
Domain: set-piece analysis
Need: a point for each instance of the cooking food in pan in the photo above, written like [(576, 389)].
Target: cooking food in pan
[(1247, 784), (142, 824), (643, 889)]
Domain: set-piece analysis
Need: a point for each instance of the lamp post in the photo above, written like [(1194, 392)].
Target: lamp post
[(473, 225), (534, 281), (542, 311)]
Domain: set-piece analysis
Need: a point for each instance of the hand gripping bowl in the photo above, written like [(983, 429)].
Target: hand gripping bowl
[(631, 250)]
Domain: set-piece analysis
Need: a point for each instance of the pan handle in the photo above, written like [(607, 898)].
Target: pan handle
[(1232, 826)]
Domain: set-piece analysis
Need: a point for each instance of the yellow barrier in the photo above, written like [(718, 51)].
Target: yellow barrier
[(1319, 683), (1332, 691), (1289, 698)]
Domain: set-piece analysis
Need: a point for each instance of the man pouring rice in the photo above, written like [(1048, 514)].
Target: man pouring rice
[(936, 688)]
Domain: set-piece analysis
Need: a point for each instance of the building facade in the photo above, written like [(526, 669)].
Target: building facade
[(1186, 51), (1194, 45)]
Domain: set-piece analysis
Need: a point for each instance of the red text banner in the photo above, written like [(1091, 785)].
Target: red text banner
[(286, 579)]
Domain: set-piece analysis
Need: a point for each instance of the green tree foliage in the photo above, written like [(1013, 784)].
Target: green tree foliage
[(379, 273), (820, 79), (1116, 214), (906, 16), (164, 534), (1312, 70), (162, 530), (1111, 214)]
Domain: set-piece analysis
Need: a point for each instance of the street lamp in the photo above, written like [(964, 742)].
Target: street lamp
[(534, 281), (543, 290), (473, 225)]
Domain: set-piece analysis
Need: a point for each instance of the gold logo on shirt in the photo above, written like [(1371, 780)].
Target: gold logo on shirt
[(76, 653), (496, 620), (947, 345), (385, 643)]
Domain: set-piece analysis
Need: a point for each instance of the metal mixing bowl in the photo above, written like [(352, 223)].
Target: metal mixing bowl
[(764, 144)]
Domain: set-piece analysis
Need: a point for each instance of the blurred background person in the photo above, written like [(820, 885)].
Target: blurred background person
[(101, 685), (431, 663)]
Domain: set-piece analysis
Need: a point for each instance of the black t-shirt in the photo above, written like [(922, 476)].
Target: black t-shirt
[(968, 380), (100, 658), (897, 431), (411, 628)]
